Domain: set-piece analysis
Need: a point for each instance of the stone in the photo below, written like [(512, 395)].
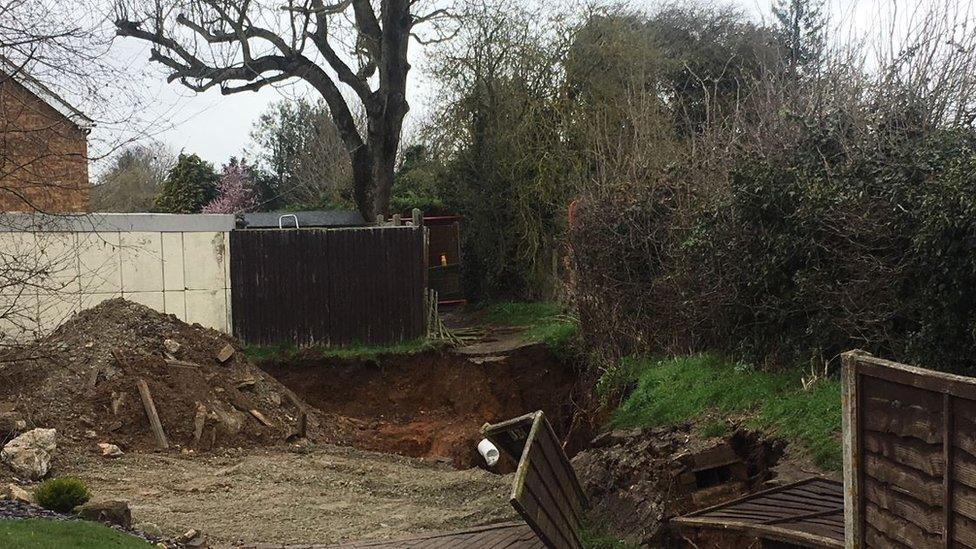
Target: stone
[(225, 353), (29, 455), (15, 493), (149, 529), (171, 345), (110, 512), (110, 450), (192, 533)]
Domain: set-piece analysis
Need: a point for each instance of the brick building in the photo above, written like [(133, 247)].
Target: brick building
[(43, 148)]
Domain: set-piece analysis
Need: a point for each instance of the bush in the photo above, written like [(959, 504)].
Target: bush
[(62, 494)]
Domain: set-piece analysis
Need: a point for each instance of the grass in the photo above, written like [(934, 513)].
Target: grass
[(74, 534), (685, 388), (286, 351), (544, 321), (595, 538)]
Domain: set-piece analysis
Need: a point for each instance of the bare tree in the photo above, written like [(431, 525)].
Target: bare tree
[(240, 46)]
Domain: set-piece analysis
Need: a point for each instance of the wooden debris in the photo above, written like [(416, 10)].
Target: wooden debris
[(184, 363), (154, 423), (118, 399), (199, 420), (260, 417), (225, 353), (246, 383)]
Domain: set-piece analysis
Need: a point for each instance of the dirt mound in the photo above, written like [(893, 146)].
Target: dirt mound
[(636, 480), (430, 404), (82, 379)]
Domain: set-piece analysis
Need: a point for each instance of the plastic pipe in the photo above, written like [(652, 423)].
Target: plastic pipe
[(488, 451)]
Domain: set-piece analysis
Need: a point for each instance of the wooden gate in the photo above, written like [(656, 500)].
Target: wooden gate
[(328, 286), (909, 455)]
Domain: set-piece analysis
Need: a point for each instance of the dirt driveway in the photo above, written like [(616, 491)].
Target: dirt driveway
[(282, 495)]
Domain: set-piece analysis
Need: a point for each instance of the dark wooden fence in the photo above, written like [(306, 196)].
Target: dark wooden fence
[(545, 489), (326, 286), (909, 455)]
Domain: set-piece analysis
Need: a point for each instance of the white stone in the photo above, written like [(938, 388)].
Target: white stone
[(15, 493), (29, 455)]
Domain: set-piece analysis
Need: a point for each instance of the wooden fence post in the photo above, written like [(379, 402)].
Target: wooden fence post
[(852, 450), (418, 217), (397, 220)]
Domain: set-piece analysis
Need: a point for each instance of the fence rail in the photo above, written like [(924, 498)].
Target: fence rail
[(328, 286)]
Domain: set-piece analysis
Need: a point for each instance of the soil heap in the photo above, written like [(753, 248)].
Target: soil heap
[(82, 381)]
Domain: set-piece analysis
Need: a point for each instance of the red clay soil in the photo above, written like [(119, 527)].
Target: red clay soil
[(70, 379), (430, 404)]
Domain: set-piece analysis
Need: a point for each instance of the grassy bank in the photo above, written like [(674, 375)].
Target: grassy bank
[(544, 321), (75, 534), (684, 388)]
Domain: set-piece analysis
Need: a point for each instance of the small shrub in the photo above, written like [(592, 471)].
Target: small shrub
[(62, 494)]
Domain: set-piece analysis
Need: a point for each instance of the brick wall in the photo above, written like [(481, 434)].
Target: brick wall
[(43, 155)]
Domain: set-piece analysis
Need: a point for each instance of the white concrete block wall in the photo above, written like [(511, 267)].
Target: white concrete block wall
[(181, 272)]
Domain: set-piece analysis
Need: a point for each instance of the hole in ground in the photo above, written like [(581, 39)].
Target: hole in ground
[(431, 404)]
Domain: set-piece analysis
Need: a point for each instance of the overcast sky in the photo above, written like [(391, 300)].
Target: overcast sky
[(217, 127)]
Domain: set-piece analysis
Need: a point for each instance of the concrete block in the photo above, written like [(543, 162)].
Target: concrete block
[(57, 256), (54, 309), (175, 303), (204, 255), (208, 307), (90, 300), (100, 260), (142, 262), (18, 318), (153, 300), (173, 262)]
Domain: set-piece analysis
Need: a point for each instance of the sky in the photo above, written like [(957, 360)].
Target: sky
[(217, 127)]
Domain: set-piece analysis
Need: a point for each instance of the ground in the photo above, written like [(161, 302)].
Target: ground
[(326, 494)]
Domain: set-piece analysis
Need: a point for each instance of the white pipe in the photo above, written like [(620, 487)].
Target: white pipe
[(488, 451)]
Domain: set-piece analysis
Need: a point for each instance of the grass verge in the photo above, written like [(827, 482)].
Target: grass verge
[(543, 321), (286, 351), (685, 388), (73, 534)]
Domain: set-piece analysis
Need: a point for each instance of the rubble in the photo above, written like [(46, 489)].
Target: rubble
[(109, 512), (110, 450), (15, 493), (638, 479), (29, 455), (82, 379)]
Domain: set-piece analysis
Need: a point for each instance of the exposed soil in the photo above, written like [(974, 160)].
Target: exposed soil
[(637, 480), (291, 495), (81, 380), (431, 404)]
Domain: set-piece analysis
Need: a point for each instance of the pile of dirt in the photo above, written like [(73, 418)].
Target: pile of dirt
[(432, 404), (637, 480), (82, 381)]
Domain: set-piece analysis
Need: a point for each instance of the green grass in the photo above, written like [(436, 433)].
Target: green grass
[(75, 534), (286, 351), (595, 538), (543, 321), (690, 387)]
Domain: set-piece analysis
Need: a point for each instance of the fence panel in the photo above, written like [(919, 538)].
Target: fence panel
[(909, 455), (327, 286)]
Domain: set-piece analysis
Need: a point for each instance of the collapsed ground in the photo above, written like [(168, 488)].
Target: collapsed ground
[(690, 433)]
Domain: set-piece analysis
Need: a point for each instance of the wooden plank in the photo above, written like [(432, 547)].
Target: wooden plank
[(852, 450), (883, 496), (947, 476), (909, 481), (913, 453), (900, 529), (150, 407)]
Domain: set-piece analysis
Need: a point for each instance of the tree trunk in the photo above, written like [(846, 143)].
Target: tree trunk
[(362, 182)]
